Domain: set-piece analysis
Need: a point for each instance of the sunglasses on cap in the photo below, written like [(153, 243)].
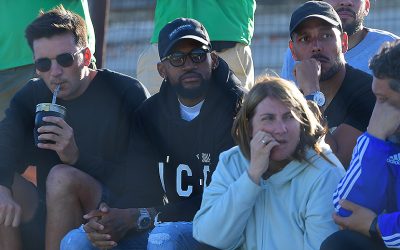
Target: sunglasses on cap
[(64, 60), (178, 58)]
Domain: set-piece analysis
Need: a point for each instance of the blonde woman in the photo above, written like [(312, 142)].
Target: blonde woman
[(273, 190)]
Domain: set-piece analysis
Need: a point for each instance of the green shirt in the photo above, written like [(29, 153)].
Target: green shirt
[(16, 15), (225, 20)]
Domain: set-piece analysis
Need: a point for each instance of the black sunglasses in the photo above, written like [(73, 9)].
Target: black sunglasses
[(178, 59), (65, 60)]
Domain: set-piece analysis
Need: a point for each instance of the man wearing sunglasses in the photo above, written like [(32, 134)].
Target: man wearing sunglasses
[(84, 149), (178, 136), (230, 25), (16, 65)]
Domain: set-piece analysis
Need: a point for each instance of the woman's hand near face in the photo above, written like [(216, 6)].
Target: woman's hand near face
[(260, 149)]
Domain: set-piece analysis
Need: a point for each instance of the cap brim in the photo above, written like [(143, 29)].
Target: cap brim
[(199, 39), (327, 19)]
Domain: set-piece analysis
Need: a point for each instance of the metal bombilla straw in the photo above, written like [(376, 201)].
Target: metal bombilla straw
[(55, 93)]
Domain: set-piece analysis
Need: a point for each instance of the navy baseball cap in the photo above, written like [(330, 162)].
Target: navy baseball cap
[(181, 28), (317, 9)]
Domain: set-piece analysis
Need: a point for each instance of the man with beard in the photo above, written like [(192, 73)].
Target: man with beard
[(178, 136), (367, 199), (230, 25), (342, 92), (363, 42)]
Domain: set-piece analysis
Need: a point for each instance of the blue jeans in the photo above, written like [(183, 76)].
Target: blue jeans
[(77, 240), (173, 236), (165, 236)]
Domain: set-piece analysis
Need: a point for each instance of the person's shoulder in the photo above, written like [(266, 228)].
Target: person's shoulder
[(232, 152), (33, 92), (116, 76), (33, 86), (228, 83), (35, 82), (232, 163), (357, 77), (120, 80), (356, 82), (233, 155), (357, 89), (150, 105), (381, 35), (326, 163)]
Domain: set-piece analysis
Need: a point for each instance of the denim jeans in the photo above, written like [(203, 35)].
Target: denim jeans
[(173, 236), (77, 240), (165, 236)]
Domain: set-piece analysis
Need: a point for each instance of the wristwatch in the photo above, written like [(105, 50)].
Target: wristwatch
[(144, 220), (373, 231), (318, 97)]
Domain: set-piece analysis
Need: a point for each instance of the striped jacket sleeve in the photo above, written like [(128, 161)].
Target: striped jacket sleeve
[(370, 181)]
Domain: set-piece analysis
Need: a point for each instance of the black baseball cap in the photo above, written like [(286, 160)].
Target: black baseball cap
[(181, 28), (317, 9)]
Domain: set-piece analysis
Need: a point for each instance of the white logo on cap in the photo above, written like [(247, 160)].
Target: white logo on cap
[(183, 27)]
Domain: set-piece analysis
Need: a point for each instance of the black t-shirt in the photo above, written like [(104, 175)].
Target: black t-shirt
[(354, 101), (175, 157), (101, 120)]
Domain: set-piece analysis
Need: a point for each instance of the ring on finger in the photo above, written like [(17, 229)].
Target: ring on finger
[(263, 142)]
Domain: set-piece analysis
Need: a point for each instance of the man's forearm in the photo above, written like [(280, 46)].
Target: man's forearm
[(366, 180)]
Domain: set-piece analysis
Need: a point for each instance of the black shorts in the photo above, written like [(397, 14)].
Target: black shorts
[(33, 231), (105, 195)]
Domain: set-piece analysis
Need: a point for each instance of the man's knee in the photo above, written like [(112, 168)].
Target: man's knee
[(66, 179), (172, 235), (68, 184), (61, 175)]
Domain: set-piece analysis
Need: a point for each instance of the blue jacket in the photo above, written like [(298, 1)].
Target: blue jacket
[(373, 181)]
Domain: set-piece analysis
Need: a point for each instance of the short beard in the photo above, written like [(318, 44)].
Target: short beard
[(192, 93), (331, 71), (355, 26)]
